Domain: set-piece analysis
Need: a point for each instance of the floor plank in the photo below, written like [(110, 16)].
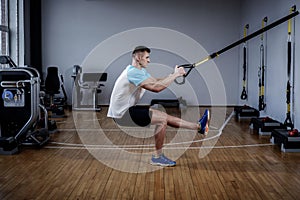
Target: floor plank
[(237, 164)]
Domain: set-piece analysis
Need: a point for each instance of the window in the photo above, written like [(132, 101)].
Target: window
[(4, 30)]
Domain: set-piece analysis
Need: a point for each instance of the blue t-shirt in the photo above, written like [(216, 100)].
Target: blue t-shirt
[(137, 76)]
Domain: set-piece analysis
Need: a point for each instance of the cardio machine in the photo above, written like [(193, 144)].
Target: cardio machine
[(23, 120)]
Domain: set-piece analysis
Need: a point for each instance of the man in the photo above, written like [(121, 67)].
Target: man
[(130, 87)]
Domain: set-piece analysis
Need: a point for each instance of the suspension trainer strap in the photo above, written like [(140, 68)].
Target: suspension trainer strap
[(244, 95), (261, 72), (288, 121), (294, 65), (216, 54)]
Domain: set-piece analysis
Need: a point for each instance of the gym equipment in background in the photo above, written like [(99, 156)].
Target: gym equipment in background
[(288, 120), (265, 125), (245, 112), (289, 141), (262, 69), (52, 83), (165, 102), (87, 85), (217, 53), (244, 94), (288, 138), (53, 86), (20, 109), (76, 94)]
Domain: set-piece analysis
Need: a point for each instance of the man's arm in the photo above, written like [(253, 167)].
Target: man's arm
[(157, 85)]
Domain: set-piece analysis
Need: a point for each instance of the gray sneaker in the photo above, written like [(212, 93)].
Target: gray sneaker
[(162, 160)]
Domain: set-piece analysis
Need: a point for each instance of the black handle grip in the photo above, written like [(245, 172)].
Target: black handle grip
[(180, 82), (186, 66), (244, 95)]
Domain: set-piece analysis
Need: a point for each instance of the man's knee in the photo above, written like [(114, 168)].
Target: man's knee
[(159, 118), (158, 113)]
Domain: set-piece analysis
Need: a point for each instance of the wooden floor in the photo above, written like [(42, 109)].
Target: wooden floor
[(81, 162)]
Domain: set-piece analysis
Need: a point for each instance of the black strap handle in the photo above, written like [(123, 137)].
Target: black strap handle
[(244, 94), (186, 66)]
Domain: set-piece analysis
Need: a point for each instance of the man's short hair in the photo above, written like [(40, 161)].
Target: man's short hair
[(141, 49)]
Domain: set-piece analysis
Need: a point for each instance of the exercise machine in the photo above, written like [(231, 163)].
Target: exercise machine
[(54, 85), (87, 86), (23, 120)]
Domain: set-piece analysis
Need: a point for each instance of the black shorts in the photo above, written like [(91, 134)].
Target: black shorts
[(135, 116)]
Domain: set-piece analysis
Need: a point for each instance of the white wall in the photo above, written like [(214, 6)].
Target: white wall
[(276, 73), (72, 29)]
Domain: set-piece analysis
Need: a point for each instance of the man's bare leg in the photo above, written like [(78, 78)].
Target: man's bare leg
[(162, 120), (159, 116)]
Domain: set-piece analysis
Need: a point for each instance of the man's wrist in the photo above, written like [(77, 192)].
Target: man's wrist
[(176, 74)]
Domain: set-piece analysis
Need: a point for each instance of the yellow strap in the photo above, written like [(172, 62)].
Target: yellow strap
[(203, 61), (292, 9), (245, 30), (263, 23), (262, 90)]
